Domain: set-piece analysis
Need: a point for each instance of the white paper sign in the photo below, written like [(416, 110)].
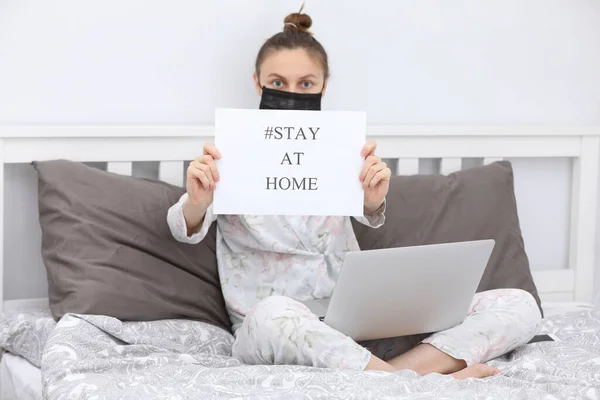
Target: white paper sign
[(288, 162)]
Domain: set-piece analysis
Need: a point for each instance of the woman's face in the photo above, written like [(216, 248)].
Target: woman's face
[(291, 71)]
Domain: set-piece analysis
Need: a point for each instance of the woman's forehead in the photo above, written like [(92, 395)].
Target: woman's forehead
[(291, 64)]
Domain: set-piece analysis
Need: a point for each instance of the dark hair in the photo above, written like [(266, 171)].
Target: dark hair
[(295, 35)]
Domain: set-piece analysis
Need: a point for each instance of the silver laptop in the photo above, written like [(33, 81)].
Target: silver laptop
[(403, 291)]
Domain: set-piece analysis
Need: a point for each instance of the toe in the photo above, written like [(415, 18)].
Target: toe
[(484, 371)]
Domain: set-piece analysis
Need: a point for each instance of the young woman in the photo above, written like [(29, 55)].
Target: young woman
[(267, 264)]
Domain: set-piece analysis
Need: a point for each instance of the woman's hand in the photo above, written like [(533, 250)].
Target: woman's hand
[(202, 176), (375, 177)]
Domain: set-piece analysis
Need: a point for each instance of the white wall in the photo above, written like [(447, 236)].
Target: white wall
[(415, 62)]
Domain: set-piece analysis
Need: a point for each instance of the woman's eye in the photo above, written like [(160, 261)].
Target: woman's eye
[(306, 84), (277, 84)]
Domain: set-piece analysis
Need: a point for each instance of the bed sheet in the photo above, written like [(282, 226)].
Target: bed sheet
[(97, 355), (19, 379), (100, 356), (555, 308), (25, 333)]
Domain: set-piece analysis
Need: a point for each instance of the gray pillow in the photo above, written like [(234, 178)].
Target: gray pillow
[(473, 204), (108, 250)]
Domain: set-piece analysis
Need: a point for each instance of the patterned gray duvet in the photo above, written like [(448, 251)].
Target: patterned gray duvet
[(99, 357)]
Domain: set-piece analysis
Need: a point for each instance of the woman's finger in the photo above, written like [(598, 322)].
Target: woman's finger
[(372, 172), (370, 161), (213, 168), (195, 173), (369, 149), (206, 169), (212, 150), (383, 175), (209, 160)]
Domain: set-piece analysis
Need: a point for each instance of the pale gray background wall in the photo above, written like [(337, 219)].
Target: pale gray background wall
[(501, 62)]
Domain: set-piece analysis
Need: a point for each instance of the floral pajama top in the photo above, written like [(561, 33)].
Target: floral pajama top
[(262, 255)]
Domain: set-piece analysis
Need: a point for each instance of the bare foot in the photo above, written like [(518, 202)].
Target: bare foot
[(476, 371)]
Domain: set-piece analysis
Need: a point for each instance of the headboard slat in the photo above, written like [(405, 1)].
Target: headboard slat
[(408, 166), (450, 165), (584, 194), (1, 225), (120, 167), (171, 172), (489, 160)]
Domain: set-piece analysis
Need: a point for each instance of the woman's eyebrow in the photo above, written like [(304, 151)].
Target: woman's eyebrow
[(313, 76), (276, 76)]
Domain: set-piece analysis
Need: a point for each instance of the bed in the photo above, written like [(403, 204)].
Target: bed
[(85, 355), (19, 379), (152, 367)]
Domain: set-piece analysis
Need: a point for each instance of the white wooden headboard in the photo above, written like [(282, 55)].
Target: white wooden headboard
[(119, 146)]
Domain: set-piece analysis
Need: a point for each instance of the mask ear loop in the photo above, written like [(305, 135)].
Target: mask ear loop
[(262, 88)]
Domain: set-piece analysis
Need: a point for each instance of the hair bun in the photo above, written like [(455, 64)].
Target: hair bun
[(297, 21)]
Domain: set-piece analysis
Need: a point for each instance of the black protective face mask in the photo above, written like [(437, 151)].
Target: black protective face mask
[(280, 100)]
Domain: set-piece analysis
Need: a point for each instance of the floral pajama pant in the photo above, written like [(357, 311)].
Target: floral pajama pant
[(279, 330)]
